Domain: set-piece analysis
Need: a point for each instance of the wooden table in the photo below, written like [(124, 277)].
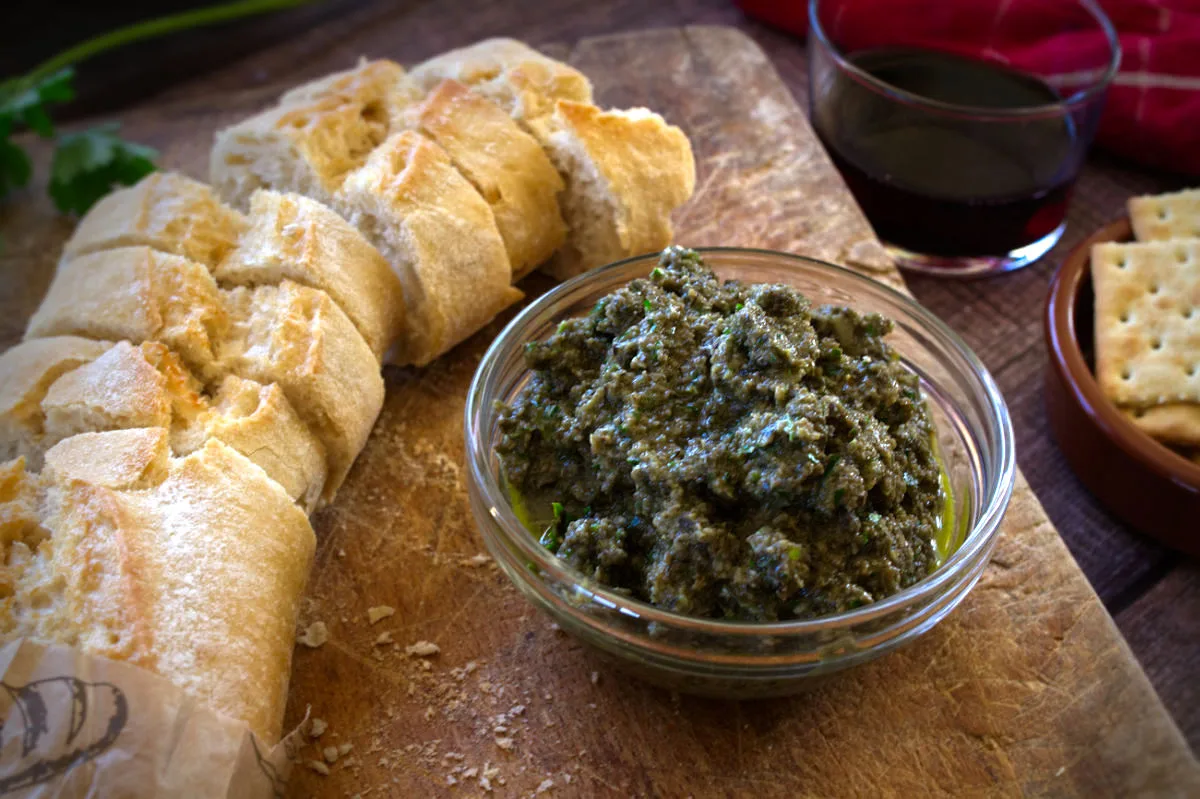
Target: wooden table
[(1153, 594)]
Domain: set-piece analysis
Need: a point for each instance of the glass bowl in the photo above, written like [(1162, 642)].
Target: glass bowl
[(741, 659)]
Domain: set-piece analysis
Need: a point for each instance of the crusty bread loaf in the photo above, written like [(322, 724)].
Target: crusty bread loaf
[(625, 172), (298, 337), (164, 211), (440, 237), (504, 163), (519, 79), (136, 294), (192, 568), (300, 239), (26, 373), (309, 145)]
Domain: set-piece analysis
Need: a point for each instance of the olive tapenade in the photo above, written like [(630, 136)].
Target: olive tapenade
[(727, 450)]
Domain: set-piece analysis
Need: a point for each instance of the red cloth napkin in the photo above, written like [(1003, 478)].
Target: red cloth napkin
[(1152, 114)]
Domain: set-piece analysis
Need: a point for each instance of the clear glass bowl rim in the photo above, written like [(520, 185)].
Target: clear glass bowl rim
[(978, 538), (1047, 110)]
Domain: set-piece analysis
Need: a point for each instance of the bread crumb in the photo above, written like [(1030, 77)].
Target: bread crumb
[(380, 612), (330, 753), (341, 553), (345, 749), (476, 561), (319, 767), (505, 743), (383, 639), (450, 780), (471, 773), (422, 649), (545, 786), (316, 635), (595, 678), (318, 727)]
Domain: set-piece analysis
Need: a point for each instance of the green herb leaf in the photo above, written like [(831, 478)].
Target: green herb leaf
[(794, 553), (21, 101), (657, 273), (89, 164), (739, 306), (646, 305), (15, 169)]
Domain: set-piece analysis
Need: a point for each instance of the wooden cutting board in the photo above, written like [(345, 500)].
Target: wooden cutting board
[(1026, 689)]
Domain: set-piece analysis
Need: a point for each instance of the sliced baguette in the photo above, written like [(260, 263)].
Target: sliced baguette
[(625, 172), (519, 79), (192, 568), (136, 294), (310, 143), (299, 239), (126, 387), (440, 237), (504, 163), (298, 337), (164, 211), (27, 371)]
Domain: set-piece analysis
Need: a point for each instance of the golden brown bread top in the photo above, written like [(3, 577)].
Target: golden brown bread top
[(439, 235), (136, 294), (506, 166), (165, 211), (291, 236)]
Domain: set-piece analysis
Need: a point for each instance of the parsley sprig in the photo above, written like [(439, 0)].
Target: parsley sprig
[(88, 164)]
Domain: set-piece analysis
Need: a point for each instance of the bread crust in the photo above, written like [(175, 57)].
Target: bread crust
[(625, 172), (291, 236), (136, 294), (519, 79), (27, 371), (439, 235), (311, 142), (506, 166), (165, 211), (298, 337)]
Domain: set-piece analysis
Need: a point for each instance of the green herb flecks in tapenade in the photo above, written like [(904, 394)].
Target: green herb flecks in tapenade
[(726, 450)]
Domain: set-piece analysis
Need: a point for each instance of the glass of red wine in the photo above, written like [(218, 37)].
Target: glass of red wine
[(960, 125)]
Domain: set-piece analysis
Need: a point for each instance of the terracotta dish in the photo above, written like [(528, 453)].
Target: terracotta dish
[(1151, 487)]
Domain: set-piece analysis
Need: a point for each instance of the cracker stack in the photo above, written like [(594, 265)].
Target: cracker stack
[(1148, 319), (205, 367)]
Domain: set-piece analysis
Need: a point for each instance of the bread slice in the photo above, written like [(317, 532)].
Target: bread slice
[(165, 211), (308, 145), (258, 421), (27, 371), (298, 337), (136, 294), (133, 458), (440, 237), (192, 568), (299, 239), (504, 163), (519, 79), (625, 172), (117, 391)]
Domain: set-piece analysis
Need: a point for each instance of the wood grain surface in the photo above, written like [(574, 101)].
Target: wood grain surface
[(1026, 689)]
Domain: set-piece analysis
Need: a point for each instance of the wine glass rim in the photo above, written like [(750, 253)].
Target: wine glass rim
[(1081, 97)]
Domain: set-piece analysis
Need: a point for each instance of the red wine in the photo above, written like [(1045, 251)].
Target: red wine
[(942, 183)]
